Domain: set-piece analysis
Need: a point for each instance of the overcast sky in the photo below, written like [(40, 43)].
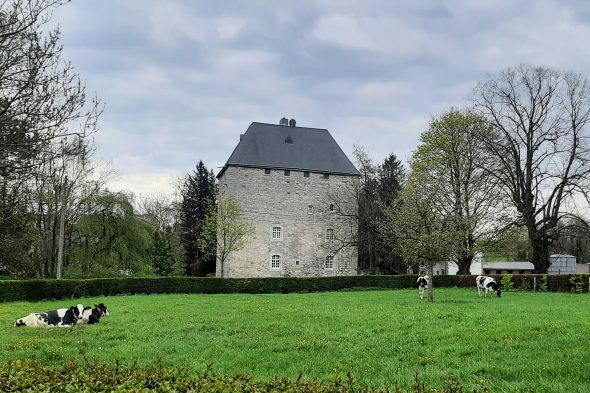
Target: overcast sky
[(182, 79)]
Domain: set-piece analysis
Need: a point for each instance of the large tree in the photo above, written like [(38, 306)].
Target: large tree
[(425, 230), (391, 176), (109, 239), (539, 141), (198, 201), (452, 153), (43, 106)]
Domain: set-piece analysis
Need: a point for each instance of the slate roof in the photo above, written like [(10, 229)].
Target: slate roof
[(294, 148)]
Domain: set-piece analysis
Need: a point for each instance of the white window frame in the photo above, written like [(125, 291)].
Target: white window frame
[(275, 259), (309, 209), (329, 234), (276, 229), (329, 262)]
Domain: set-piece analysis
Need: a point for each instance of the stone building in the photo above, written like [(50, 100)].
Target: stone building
[(298, 189)]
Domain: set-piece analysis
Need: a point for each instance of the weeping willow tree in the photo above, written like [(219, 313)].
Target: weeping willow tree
[(110, 239)]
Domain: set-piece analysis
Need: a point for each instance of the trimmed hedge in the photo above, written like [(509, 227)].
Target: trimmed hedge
[(32, 290)]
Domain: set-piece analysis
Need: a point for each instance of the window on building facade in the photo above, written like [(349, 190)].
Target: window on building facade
[(287, 173), (310, 209), (267, 171), (276, 233), (275, 262), (329, 234), (305, 174), (329, 262), (326, 176)]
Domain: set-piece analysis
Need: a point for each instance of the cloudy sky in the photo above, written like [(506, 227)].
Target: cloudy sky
[(182, 79)]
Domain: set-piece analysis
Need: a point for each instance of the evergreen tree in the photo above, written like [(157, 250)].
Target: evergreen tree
[(162, 253), (198, 200)]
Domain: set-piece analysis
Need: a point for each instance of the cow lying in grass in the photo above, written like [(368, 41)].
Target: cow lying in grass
[(92, 315), (488, 284), (64, 317), (422, 283)]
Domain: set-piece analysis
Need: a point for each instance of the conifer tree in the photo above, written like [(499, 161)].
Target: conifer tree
[(198, 200)]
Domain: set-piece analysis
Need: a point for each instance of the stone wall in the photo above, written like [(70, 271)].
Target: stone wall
[(301, 207)]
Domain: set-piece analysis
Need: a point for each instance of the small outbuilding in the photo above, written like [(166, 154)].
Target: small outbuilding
[(507, 268), (562, 264)]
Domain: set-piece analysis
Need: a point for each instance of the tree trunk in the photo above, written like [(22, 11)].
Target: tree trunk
[(540, 257), (430, 282), (464, 264)]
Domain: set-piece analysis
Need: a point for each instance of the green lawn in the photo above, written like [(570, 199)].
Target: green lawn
[(522, 340)]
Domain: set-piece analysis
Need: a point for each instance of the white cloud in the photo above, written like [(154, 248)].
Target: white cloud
[(183, 79)]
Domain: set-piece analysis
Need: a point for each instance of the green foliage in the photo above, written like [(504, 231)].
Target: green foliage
[(543, 284), (198, 202), (228, 228), (579, 282), (506, 282), (111, 239), (525, 283), (33, 375), (162, 254), (31, 290)]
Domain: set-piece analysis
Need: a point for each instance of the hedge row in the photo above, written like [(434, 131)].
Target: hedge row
[(32, 290)]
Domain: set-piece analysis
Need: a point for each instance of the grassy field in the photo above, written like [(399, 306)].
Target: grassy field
[(521, 341)]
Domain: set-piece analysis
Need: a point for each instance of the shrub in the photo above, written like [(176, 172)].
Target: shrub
[(93, 376), (525, 283), (543, 284), (507, 283), (577, 280)]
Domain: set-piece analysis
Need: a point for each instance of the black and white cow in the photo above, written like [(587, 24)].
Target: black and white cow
[(63, 317), (488, 284), (422, 283), (92, 315)]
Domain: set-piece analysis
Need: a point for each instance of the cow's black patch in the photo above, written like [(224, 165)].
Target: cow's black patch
[(95, 316)]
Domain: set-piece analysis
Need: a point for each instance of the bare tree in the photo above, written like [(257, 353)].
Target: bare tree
[(540, 144), (40, 93)]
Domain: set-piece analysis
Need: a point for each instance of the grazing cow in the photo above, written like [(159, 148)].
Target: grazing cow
[(92, 315), (63, 317), (487, 283), (422, 283)]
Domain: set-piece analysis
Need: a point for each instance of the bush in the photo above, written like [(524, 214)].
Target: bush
[(525, 283), (543, 284), (578, 282), (93, 376), (507, 283)]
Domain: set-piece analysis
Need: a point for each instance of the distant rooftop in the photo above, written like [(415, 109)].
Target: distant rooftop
[(509, 265), (283, 146)]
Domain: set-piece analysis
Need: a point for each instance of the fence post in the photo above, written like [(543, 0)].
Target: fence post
[(534, 283)]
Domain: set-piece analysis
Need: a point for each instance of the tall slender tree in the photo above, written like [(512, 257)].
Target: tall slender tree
[(198, 200)]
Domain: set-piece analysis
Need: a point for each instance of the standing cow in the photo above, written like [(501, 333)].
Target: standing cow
[(422, 283), (488, 284)]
